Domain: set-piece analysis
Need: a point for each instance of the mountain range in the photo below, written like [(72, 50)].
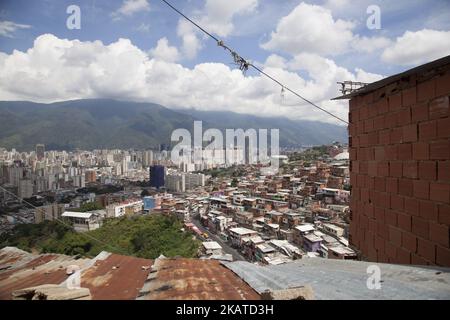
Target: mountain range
[(105, 123)]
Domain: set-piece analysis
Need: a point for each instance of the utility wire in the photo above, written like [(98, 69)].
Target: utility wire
[(245, 64), (66, 224)]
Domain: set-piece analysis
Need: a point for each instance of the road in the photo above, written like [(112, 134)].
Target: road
[(225, 246)]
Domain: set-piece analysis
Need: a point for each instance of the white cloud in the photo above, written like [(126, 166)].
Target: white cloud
[(369, 45), (312, 29), (163, 51), (130, 7), (218, 15), (143, 27), (7, 28), (59, 69), (418, 47), (217, 18), (191, 44)]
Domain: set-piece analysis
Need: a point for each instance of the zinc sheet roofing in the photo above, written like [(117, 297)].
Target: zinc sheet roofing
[(193, 279), (344, 279), (19, 270)]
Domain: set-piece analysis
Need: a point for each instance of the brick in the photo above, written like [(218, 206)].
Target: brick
[(443, 256), (390, 217), (443, 85), (382, 106), (391, 251), (440, 192), (444, 214), (409, 96), (404, 116), (409, 242), (379, 244), (410, 169), (427, 170), (439, 108), (421, 189), (397, 202), (380, 184), (373, 167), (439, 233), (440, 150), (395, 236), (383, 169), (421, 151), (390, 119), (384, 136), (404, 151), (395, 102), (405, 187), (390, 152), (396, 135), (420, 227), (392, 185), (418, 260), (379, 214), (426, 249), (380, 153), (378, 123), (426, 90), (384, 199), (419, 112), (404, 221), (368, 125), (428, 210), (410, 133), (428, 130), (443, 128), (403, 256), (411, 206), (395, 169)]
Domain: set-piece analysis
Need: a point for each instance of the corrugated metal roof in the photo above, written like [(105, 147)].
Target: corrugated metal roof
[(344, 279), (116, 277), (22, 270), (195, 279)]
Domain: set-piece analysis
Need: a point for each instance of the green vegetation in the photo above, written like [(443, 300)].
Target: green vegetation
[(311, 154), (143, 236), (90, 206)]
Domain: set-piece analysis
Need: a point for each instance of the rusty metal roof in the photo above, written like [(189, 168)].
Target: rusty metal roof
[(194, 279), (116, 277), (19, 269)]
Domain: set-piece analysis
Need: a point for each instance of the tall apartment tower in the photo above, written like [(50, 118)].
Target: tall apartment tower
[(40, 151), (157, 175)]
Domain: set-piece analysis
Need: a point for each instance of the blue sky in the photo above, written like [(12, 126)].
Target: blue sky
[(258, 30)]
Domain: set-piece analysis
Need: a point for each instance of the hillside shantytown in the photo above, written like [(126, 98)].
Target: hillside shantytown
[(259, 236)]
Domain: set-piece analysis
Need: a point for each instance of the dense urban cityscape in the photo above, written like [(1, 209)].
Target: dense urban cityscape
[(301, 211), (224, 150)]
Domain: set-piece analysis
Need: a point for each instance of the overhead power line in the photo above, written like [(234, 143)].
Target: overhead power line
[(244, 64)]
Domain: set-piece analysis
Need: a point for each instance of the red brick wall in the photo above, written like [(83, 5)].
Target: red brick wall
[(400, 171)]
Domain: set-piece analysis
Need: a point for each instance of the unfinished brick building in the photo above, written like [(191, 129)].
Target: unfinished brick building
[(399, 141)]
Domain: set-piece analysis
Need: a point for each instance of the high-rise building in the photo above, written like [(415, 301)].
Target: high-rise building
[(157, 173), (91, 176), (40, 151), (25, 189)]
